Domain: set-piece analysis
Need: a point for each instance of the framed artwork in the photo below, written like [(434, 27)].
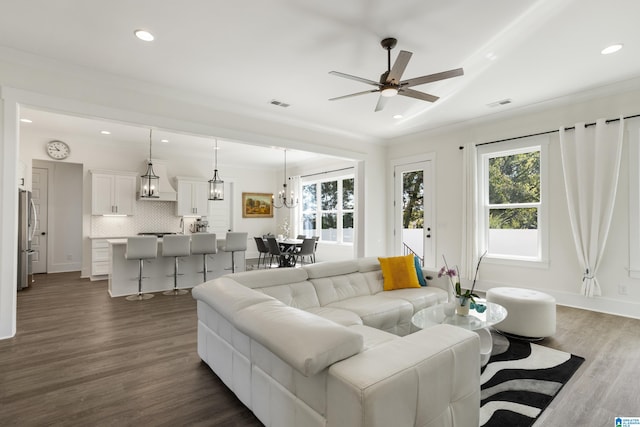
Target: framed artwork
[(257, 205)]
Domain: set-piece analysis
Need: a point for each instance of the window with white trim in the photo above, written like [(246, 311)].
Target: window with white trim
[(511, 194), (328, 207)]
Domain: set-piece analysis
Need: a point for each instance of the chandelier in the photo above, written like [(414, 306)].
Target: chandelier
[(284, 201), (149, 181), (216, 185)]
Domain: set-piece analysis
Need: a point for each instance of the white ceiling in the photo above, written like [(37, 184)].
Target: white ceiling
[(244, 53)]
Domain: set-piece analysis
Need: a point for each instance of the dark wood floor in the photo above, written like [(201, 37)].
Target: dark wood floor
[(83, 358)]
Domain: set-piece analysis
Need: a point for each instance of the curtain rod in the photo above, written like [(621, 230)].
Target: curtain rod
[(550, 131), (325, 172)]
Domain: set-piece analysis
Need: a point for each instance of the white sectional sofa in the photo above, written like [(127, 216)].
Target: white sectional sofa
[(324, 345)]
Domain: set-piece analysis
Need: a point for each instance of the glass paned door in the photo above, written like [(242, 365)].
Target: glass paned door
[(414, 211)]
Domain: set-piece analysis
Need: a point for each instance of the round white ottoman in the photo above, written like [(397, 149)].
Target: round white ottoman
[(530, 314)]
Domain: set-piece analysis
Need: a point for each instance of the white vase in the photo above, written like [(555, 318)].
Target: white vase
[(462, 306)]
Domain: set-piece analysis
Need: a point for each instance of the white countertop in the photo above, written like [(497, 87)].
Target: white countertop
[(123, 241)]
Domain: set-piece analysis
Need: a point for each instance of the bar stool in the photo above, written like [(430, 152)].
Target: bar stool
[(176, 245), (235, 242), (141, 248), (205, 244)]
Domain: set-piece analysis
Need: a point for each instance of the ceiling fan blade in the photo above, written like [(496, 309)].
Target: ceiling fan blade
[(418, 95), (350, 77), (354, 94), (398, 67), (382, 101), (432, 78)]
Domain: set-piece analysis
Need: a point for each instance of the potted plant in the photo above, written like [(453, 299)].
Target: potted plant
[(463, 297)]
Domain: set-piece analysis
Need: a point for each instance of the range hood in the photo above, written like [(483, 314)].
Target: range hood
[(166, 190)]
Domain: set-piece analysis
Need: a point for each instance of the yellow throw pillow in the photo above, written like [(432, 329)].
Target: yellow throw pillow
[(399, 272)]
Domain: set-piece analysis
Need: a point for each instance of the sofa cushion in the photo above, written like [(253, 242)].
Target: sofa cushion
[(419, 298), (299, 295), (307, 342), (419, 273), (399, 272), (336, 288), (270, 277), (387, 314), (368, 264), (328, 269), (338, 315), (226, 296), (373, 337)]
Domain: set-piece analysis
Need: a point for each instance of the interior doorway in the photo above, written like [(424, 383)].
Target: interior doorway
[(57, 189), (414, 212), (39, 196)]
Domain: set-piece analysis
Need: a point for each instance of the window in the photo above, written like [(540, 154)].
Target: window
[(328, 209), (512, 221)]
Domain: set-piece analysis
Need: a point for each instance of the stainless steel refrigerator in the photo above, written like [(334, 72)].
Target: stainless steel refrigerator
[(26, 228)]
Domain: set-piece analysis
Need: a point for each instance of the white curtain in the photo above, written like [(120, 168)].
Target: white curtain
[(469, 211), (590, 163), (295, 213)]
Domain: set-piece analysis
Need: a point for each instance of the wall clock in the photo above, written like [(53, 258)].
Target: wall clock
[(58, 150)]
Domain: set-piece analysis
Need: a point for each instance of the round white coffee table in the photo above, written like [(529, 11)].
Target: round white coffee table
[(479, 322)]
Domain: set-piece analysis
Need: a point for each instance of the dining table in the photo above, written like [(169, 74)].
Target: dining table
[(288, 248)]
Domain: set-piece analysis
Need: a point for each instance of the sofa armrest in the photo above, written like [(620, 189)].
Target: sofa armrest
[(429, 378), (433, 280)]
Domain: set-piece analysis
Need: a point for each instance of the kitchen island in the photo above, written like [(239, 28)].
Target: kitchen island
[(158, 272)]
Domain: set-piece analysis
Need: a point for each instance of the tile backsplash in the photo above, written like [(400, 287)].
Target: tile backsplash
[(149, 217)]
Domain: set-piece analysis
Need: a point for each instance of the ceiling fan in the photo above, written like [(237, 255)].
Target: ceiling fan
[(390, 83)]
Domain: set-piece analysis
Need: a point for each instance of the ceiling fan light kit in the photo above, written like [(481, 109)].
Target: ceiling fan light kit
[(390, 84)]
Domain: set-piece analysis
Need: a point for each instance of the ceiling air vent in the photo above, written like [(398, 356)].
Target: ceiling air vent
[(500, 103), (279, 103)]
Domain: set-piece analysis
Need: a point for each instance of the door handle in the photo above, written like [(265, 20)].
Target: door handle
[(43, 233)]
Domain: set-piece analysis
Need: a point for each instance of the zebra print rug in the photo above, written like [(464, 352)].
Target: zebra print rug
[(520, 380)]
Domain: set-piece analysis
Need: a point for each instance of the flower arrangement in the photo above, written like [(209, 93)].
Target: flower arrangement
[(284, 226), (452, 273)]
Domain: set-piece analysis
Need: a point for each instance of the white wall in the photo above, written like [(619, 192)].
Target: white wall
[(563, 276)]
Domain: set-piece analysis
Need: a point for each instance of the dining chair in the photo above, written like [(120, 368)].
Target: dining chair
[(263, 250), (301, 236), (306, 250), (274, 251)]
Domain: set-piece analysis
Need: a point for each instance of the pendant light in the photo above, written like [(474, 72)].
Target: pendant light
[(284, 201), (216, 185), (149, 181)]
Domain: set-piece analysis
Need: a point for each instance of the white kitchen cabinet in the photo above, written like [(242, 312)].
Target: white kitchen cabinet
[(113, 192), (193, 197), (99, 257)]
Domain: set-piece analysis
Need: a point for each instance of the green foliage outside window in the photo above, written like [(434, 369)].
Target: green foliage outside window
[(412, 200), (514, 179)]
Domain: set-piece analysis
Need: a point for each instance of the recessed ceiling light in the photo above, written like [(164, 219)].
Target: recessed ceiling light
[(491, 56), (164, 140), (611, 49), (26, 121), (144, 35), (105, 132), (398, 116)]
